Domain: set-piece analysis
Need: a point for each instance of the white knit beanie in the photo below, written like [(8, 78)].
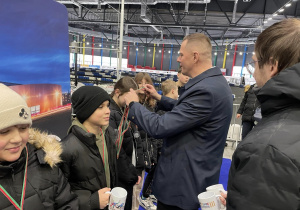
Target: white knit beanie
[(13, 108)]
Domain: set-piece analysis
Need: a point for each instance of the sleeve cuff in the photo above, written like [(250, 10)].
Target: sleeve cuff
[(131, 103), (95, 203)]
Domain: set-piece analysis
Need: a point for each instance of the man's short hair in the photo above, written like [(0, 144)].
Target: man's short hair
[(280, 42), (201, 41), (167, 86)]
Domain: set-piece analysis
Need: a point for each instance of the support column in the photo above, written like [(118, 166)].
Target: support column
[(171, 57), (225, 56), (162, 57), (216, 56), (83, 49), (234, 58), (244, 59), (101, 53), (136, 53), (153, 55), (93, 40)]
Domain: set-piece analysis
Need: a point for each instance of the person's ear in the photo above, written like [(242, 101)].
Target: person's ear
[(196, 56), (274, 68), (117, 92)]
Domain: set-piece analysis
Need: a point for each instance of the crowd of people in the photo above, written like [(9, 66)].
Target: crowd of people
[(178, 138)]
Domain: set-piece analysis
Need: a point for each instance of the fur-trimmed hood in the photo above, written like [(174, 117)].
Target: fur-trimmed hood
[(48, 143)]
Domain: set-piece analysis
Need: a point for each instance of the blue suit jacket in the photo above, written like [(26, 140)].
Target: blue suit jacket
[(194, 133)]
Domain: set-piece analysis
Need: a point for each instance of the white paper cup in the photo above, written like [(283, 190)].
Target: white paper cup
[(216, 189), (209, 201), (117, 199)]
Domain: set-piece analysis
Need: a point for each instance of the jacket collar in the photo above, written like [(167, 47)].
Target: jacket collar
[(213, 71), (47, 148), (82, 133), (41, 146), (114, 106), (7, 168), (281, 91)]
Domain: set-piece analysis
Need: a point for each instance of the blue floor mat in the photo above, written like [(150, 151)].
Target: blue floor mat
[(223, 175)]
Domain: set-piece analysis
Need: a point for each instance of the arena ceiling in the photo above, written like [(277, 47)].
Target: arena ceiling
[(226, 22)]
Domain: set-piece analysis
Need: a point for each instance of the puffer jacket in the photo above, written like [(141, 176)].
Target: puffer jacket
[(265, 168), (46, 186), (83, 166), (129, 142), (248, 105)]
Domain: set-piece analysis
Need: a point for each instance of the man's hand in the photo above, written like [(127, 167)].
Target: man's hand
[(238, 116), (103, 197), (152, 92), (131, 96), (139, 180)]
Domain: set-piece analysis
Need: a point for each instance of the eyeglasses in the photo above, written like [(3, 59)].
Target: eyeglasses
[(250, 68)]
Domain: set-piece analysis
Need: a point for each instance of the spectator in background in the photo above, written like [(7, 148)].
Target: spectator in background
[(194, 129), (265, 168), (170, 89), (89, 153), (247, 110), (29, 156), (182, 80)]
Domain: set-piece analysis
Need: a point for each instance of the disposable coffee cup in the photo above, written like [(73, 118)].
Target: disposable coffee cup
[(209, 201), (117, 198), (217, 188)]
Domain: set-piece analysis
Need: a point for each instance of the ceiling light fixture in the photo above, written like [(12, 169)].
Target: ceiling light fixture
[(288, 5), (281, 10)]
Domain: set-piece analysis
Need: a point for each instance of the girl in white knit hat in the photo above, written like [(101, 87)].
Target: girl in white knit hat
[(29, 178)]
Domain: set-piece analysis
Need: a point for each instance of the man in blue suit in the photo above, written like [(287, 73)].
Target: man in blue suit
[(194, 130)]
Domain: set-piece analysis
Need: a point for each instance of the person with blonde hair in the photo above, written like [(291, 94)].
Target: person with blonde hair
[(194, 129), (169, 89), (265, 168), (29, 176)]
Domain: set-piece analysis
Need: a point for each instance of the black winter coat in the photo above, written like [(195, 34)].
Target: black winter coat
[(46, 186), (82, 165), (248, 105), (265, 168), (126, 170)]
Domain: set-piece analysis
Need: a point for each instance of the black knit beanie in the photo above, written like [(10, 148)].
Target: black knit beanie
[(86, 99)]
